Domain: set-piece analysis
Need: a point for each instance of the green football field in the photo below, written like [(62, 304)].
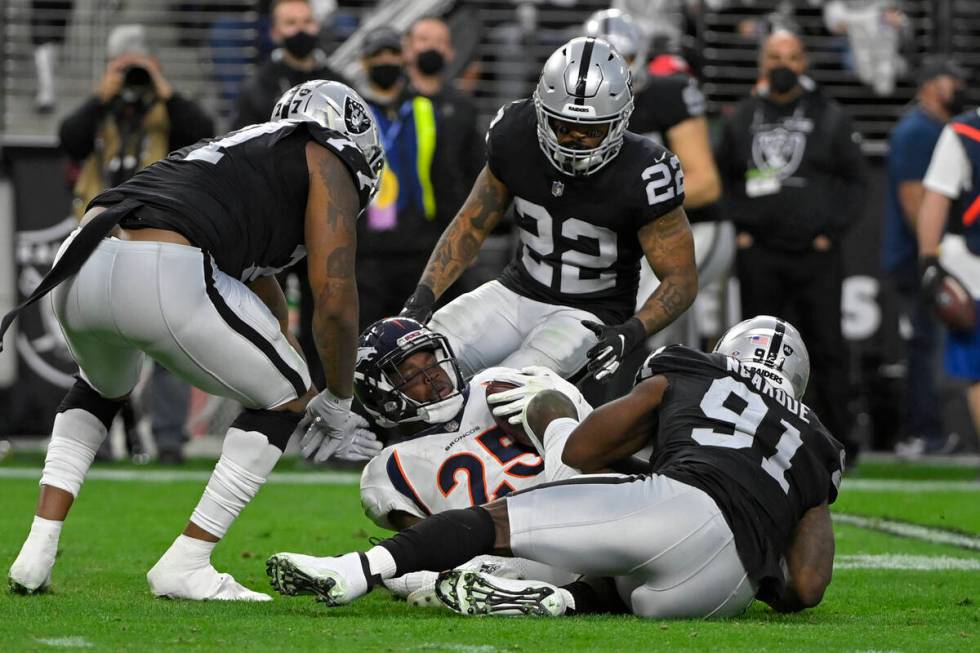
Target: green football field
[(907, 576)]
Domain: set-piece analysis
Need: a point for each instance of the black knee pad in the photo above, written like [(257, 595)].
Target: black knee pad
[(276, 425), (442, 541), (83, 396)]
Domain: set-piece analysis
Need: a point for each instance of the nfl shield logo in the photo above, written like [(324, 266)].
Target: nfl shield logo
[(557, 188)]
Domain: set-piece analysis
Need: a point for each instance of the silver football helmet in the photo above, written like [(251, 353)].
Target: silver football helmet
[(338, 107), (771, 346), (624, 34), (587, 82)]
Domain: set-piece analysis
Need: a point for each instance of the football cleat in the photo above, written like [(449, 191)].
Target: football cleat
[(475, 593), (202, 584), (31, 571), (334, 581)]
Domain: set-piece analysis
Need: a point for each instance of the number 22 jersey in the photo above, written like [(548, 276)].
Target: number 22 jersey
[(579, 244)]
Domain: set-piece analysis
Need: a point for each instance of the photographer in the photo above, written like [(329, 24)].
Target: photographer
[(135, 117)]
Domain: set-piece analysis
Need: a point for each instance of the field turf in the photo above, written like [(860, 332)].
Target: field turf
[(889, 593)]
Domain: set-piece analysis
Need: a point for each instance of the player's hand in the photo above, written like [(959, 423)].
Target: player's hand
[(530, 381), (931, 275), (332, 430), (419, 305), (614, 343)]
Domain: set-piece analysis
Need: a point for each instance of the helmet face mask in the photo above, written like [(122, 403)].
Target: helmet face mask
[(773, 348), (338, 107), (381, 383), (585, 82)]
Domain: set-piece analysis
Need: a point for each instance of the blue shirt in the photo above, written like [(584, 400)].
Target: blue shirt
[(910, 150)]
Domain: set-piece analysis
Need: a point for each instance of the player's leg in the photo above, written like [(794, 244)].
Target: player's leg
[(482, 326), (109, 371), (555, 338), (228, 343)]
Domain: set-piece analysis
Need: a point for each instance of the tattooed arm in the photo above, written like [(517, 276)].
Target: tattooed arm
[(460, 242), (669, 248), (331, 243)]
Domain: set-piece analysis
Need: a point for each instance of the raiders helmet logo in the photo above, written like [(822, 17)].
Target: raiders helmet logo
[(355, 116)]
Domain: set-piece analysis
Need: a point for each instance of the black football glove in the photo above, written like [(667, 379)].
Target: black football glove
[(931, 274), (419, 305), (614, 343)]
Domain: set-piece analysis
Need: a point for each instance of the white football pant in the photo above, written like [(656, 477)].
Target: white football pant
[(493, 325), (666, 543)]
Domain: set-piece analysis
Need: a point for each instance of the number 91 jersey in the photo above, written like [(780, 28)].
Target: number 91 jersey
[(579, 244), (763, 456), (469, 466)]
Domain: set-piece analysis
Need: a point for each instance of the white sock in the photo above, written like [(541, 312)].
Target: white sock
[(245, 462), (381, 562), (75, 438), (48, 529), (195, 553)]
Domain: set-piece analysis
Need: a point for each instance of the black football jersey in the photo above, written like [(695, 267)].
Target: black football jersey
[(664, 102), (241, 197), (579, 244), (763, 456)]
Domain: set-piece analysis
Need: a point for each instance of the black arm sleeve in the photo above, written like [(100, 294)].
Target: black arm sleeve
[(77, 131), (851, 178), (189, 123)]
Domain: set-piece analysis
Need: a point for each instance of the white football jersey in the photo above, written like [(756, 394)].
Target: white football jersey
[(469, 466)]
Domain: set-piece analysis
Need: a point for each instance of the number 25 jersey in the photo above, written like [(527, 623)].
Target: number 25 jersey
[(467, 466), (763, 456), (579, 244)]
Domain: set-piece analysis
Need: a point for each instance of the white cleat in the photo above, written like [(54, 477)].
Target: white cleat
[(405, 585), (334, 581), (31, 571), (475, 593), (171, 581)]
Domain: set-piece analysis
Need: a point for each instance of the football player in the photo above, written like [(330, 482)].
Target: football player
[(455, 454), (187, 278), (590, 201), (736, 507)]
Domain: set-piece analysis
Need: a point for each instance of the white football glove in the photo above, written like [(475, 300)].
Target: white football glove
[(333, 431), (531, 381)]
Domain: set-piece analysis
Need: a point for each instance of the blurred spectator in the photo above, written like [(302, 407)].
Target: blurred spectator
[(940, 97), (875, 32), (48, 21), (951, 203), (433, 155), (134, 118), (794, 180), (296, 60)]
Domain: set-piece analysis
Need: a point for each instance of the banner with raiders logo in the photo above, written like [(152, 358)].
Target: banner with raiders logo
[(43, 218)]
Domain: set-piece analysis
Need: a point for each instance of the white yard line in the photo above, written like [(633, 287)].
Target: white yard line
[(168, 476), (65, 642), (883, 485), (906, 562), (912, 531)]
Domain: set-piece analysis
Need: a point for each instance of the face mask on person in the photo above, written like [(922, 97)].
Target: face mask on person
[(782, 80), (430, 62), (300, 44), (385, 75), (956, 102)]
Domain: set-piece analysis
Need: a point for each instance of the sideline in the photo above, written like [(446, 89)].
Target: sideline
[(170, 476), (911, 531)]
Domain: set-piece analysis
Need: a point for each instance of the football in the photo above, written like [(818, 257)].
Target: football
[(954, 306), (515, 431)]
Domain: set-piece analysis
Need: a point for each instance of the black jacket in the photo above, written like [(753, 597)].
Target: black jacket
[(272, 79), (188, 124), (810, 145)]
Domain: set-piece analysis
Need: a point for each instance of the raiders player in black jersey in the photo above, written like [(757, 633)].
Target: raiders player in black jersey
[(187, 279), (590, 200), (736, 506)]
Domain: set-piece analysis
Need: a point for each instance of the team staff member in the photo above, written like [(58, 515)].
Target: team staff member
[(794, 180), (952, 199)]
